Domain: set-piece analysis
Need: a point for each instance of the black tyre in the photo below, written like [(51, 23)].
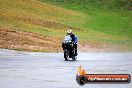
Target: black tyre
[(73, 57), (66, 54), (81, 80)]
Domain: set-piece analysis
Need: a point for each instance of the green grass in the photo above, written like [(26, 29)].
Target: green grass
[(104, 17), (110, 20), (12, 9), (98, 22)]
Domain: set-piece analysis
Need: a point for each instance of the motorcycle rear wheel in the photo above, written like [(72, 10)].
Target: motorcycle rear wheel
[(74, 57)]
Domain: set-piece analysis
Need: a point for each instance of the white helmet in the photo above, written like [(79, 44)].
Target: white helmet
[(69, 31)]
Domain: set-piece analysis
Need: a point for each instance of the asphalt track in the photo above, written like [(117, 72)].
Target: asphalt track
[(49, 70)]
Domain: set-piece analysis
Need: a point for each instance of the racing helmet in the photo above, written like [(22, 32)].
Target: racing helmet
[(69, 31)]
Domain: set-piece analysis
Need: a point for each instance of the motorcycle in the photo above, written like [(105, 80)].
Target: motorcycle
[(68, 48)]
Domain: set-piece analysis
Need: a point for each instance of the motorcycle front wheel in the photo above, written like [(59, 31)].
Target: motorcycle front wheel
[(66, 54)]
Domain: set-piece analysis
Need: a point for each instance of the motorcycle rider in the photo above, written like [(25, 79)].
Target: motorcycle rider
[(74, 40)]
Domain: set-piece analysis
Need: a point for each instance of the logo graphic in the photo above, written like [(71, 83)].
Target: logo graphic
[(83, 78)]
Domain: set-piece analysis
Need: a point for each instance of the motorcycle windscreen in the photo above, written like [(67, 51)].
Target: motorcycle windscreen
[(67, 38)]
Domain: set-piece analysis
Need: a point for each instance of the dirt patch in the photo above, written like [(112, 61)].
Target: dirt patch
[(39, 22), (101, 47), (19, 40), (45, 23), (93, 47), (12, 39)]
